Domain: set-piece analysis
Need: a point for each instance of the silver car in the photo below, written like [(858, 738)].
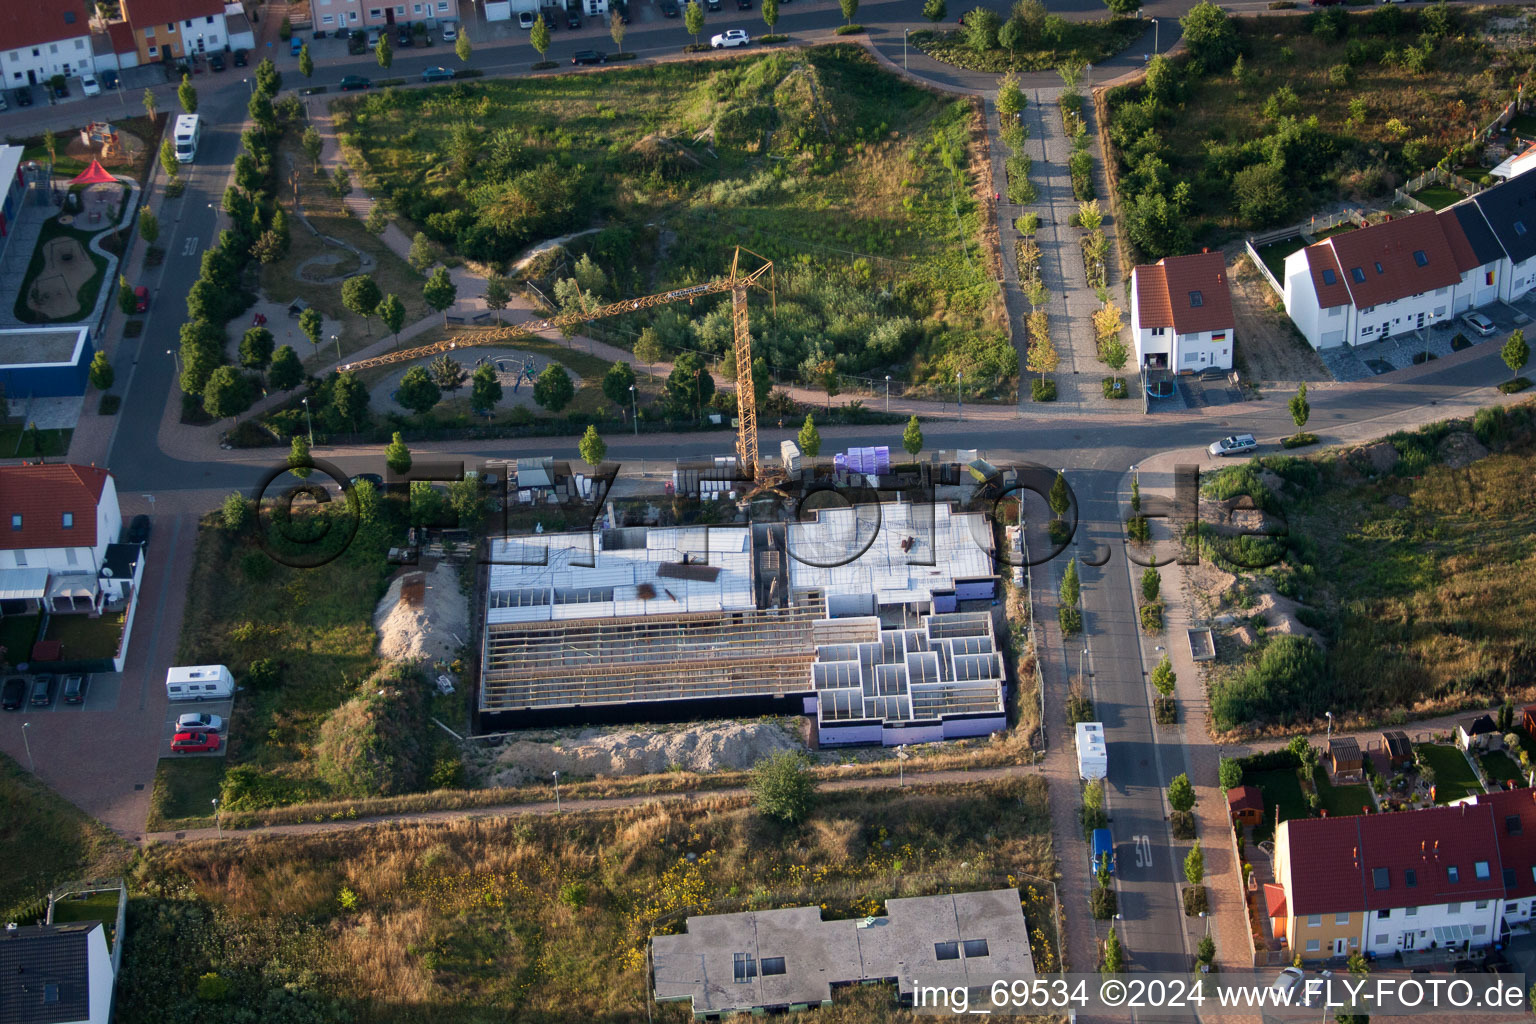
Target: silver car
[(1478, 323), (197, 721), (1237, 444)]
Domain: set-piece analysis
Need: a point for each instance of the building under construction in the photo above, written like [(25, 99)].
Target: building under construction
[(873, 618)]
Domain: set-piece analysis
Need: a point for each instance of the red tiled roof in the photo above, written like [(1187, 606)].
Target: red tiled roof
[(1517, 849), (1383, 254), (1165, 293), (41, 495), (1456, 238), (1319, 259), (1274, 899), (122, 36), (1244, 798), (27, 24), (142, 14), (1324, 862)]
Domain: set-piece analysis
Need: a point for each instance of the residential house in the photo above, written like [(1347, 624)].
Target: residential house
[(332, 16), (40, 40), (55, 974), (1510, 212), (1348, 764), (1514, 819), (1181, 314), (56, 524), (1478, 733), (1246, 804), (1515, 164), (1395, 745), (172, 29)]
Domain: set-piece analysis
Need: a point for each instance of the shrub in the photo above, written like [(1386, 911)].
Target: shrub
[(1059, 531), (573, 895), (108, 405), (1152, 617), (1286, 682), (1102, 903), (1195, 901), (1094, 814), (782, 787), (1042, 390), (256, 566), (1071, 620), (1138, 529), (1298, 441), (1079, 705), (842, 30), (1151, 583), (1166, 710), (1183, 824)]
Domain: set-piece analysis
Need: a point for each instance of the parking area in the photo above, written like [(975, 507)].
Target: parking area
[(175, 709), (1404, 350), (99, 692)]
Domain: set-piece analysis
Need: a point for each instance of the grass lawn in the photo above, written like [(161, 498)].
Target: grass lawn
[(862, 188), (85, 637), (45, 841), (1283, 789), (16, 442), (98, 906), (1088, 42), (1523, 124), (1438, 197), (184, 793), (1500, 767), (1274, 255), (1339, 801), (17, 635), (87, 293), (546, 918), (1454, 778)]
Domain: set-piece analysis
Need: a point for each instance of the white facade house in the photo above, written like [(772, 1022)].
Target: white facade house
[(40, 40), (56, 974), (56, 524), (1181, 314), (331, 16)]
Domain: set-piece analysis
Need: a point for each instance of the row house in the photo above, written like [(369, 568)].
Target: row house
[(1440, 877), (57, 526), (1406, 274), (332, 16), (1181, 314), (40, 40)]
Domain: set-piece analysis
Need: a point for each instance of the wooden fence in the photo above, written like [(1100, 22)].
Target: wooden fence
[(1434, 176)]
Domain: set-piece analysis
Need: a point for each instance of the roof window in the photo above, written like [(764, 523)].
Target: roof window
[(1512, 824), (946, 950), (772, 965), (1381, 878), (1410, 878), (1480, 869), (69, 520), (1421, 257), (1378, 268), (1196, 300), (975, 948), (744, 968), (1453, 874), (1519, 227), (1358, 274), (1329, 277), (16, 521), (1509, 878)]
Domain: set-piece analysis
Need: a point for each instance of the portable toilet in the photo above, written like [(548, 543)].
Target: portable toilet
[(199, 682)]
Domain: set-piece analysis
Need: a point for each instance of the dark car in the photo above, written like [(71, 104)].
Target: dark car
[(24, 97), (436, 75), (138, 531), (12, 693), (711, 5), (369, 478), (42, 692), (108, 79), (239, 58), (350, 82), (743, 5), (588, 57), (405, 38), (668, 8), (216, 61), (622, 8), (74, 689), (572, 18)]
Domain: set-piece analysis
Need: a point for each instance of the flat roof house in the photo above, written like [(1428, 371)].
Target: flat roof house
[(1181, 314), (767, 961)]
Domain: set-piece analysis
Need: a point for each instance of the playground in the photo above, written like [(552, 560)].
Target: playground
[(516, 370), (65, 274), (108, 144)]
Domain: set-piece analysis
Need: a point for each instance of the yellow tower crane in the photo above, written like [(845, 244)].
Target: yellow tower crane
[(737, 284)]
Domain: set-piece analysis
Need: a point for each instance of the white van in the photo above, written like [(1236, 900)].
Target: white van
[(200, 682)]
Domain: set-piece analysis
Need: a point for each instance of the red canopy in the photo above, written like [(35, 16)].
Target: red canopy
[(94, 175)]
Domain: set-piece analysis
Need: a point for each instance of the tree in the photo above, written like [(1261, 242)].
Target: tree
[(187, 95), (306, 62), (423, 253), (849, 8), (1042, 357), (1230, 773), (689, 386), (1194, 865), (648, 349), (377, 221), (593, 448), (617, 382), (256, 348), (810, 438), (1114, 955), (1209, 35), (1163, 677), (149, 227), (151, 105), (418, 392), (554, 390), (268, 79), (462, 47), (693, 20), (168, 161), (1071, 588), (831, 380), (383, 52), (236, 513), (1205, 950), (935, 10), (440, 291), (1181, 795), (616, 30), (1262, 194), (391, 312), (311, 323), (341, 183), (1151, 583), (126, 302), (539, 37), (286, 372), (1115, 354), (912, 437), (782, 787), (1122, 7), (1010, 35), (228, 393), (771, 13), (102, 374), (1010, 98), (349, 398), (981, 29), (361, 295), (498, 294), (313, 145), (1300, 410), (1136, 495), (448, 373), (397, 457), (300, 463), (1059, 499), (484, 389), (1515, 353), (269, 248)]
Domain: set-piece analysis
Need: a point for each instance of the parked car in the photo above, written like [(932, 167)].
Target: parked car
[(588, 57), (369, 478), (89, 85), (405, 39), (109, 79), (731, 37), (42, 692), (194, 742), (199, 721), (1237, 444), (140, 299), (1479, 323), (1291, 976), (295, 44), (711, 5), (438, 74), (668, 8), (138, 531), (350, 82), (12, 693), (622, 8), (525, 19), (743, 5), (216, 61), (450, 33), (240, 58), (74, 689), (373, 38), (572, 17), (24, 96)]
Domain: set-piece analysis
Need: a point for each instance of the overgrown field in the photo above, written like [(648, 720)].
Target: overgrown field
[(1421, 580), (542, 918), (859, 186), (1268, 119)]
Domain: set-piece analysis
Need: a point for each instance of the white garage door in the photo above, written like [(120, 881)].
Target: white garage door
[(1332, 338)]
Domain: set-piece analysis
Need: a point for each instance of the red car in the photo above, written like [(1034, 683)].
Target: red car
[(140, 299), (194, 742)]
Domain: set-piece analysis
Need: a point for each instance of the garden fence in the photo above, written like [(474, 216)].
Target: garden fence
[(1433, 176)]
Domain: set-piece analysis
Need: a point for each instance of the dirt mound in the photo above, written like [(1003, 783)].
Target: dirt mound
[(1460, 450), (661, 152), (431, 623), (1280, 616), (1378, 458), (698, 747)]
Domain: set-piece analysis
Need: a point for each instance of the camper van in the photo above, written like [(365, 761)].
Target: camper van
[(188, 131), (1092, 757), (199, 682)]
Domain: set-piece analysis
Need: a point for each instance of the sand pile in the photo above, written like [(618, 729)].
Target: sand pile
[(431, 623)]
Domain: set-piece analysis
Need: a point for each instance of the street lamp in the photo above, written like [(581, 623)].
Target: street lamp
[(30, 763), (557, 790), (1330, 724), (959, 407), (172, 353), (249, 88), (904, 33), (216, 820), (309, 426), (1154, 36), (634, 410), (337, 339), (901, 766), (887, 394), (1081, 657), (1424, 331)]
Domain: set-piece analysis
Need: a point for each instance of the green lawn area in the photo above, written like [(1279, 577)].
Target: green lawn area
[(1453, 776), (857, 184), (1339, 801), (85, 637), (1438, 197), (16, 442), (184, 793), (1089, 42), (1274, 254), (1500, 767), (97, 906), (1523, 124), (85, 295), (1281, 788), (17, 634)]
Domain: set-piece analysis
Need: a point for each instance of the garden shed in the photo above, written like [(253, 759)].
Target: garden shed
[(1347, 761)]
